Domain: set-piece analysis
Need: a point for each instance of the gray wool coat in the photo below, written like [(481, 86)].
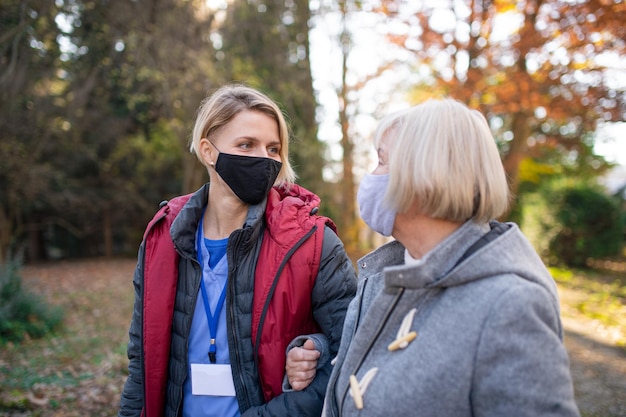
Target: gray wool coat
[(489, 337)]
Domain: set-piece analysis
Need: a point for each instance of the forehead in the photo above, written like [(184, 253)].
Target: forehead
[(250, 124)]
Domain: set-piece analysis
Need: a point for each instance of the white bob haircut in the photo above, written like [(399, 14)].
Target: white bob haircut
[(221, 107), (444, 162)]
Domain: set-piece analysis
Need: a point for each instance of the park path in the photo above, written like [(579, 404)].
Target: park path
[(598, 369)]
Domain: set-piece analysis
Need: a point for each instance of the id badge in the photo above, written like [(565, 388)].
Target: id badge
[(212, 379)]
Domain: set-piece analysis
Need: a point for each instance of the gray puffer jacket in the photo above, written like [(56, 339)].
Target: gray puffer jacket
[(487, 341)]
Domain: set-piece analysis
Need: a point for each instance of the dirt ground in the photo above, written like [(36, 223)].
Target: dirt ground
[(97, 296), (598, 369)]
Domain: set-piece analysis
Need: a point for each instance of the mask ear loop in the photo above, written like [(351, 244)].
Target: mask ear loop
[(214, 145), (211, 162)]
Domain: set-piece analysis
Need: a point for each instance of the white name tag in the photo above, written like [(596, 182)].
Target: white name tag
[(209, 379)]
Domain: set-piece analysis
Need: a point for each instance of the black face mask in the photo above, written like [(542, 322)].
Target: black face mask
[(250, 177)]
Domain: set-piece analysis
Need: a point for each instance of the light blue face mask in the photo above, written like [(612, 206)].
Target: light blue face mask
[(374, 211)]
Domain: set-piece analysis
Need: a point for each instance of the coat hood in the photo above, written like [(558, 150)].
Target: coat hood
[(296, 204), (449, 264)]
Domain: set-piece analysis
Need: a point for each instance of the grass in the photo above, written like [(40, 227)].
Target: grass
[(598, 295), (79, 370)]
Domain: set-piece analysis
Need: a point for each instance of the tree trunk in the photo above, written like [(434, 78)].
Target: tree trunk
[(348, 212), (107, 230), (517, 151), (5, 236), (35, 250)]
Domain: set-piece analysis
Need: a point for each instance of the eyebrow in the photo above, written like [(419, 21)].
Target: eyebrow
[(276, 144), (257, 140)]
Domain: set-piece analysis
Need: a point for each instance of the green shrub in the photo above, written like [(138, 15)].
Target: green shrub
[(588, 224), (21, 312)]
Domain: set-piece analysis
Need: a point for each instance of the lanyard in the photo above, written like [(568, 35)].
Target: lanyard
[(212, 320)]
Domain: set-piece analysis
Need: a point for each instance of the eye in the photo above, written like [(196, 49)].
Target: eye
[(273, 150), (245, 145)]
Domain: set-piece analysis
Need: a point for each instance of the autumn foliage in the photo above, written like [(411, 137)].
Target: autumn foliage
[(546, 73)]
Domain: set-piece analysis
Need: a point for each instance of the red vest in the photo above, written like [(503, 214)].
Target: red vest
[(281, 306)]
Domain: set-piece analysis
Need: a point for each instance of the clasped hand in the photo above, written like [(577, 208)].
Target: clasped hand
[(301, 365)]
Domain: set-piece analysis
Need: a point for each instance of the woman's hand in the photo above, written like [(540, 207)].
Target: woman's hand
[(301, 365)]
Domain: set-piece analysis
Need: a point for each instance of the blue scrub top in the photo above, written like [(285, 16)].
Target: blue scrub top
[(214, 274)]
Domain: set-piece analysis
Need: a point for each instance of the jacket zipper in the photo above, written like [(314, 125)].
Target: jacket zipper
[(244, 401), (273, 288)]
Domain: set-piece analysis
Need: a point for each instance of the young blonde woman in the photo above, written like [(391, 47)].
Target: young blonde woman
[(457, 316), (227, 277)]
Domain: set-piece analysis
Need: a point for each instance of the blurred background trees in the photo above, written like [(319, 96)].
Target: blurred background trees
[(97, 101), (545, 73)]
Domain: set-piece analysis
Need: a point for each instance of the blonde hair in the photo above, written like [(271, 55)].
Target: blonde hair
[(388, 126), (443, 158), (220, 107)]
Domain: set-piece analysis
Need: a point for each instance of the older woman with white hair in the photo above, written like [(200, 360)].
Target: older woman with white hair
[(457, 316)]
